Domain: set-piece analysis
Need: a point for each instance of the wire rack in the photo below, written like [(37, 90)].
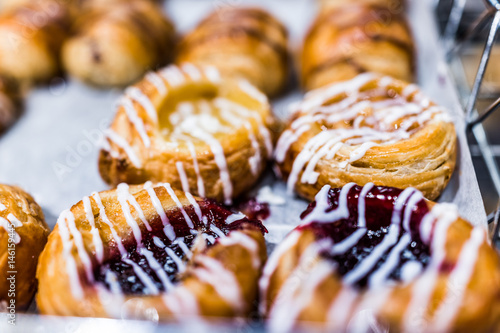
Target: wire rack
[(489, 19)]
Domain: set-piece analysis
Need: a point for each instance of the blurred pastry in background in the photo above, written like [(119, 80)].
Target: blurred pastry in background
[(10, 103), (116, 42), (31, 36), (241, 42), (394, 5), (344, 42)]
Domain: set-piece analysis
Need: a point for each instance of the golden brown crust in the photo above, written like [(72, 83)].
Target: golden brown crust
[(424, 160), (344, 42), (56, 294), (241, 42), (32, 36), (116, 43), (219, 164), (19, 209), (392, 307), (10, 104)]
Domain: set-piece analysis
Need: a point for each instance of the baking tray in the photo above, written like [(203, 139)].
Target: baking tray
[(52, 150)]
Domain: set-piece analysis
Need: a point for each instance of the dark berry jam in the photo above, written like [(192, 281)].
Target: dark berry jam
[(405, 249), (254, 210), (137, 272)]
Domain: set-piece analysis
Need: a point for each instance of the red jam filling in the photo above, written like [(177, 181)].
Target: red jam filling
[(156, 242), (379, 209)]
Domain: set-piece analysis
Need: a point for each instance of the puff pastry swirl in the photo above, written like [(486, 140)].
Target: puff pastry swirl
[(188, 126), (370, 129)]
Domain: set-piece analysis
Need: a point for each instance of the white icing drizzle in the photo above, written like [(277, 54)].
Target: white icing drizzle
[(137, 121), (364, 267), (445, 215), (380, 276), (167, 227), (220, 160), (192, 71), (212, 73), (122, 196), (283, 317), (71, 268), (319, 213), (105, 219), (180, 241), (144, 277), (253, 92), (156, 266), (459, 280), (182, 175), (348, 243), (362, 204), (196, 206), (200, 183), (361, 136), (131, 200), (137, 95), (112, 280), (2, 207), (179, 204), (272, 263), (80, 246), (239, 238), (173, 75), (221, 279), (96, 237), (6, 224), (123, 144), (235, 217), (158, 82), (14, 220), (340, 308), (182, 303), (217, 231), (177, 260)]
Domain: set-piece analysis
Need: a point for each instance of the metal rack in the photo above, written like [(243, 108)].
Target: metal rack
[(474, 119)]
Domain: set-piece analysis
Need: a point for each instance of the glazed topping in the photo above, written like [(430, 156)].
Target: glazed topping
[(194, 118), (371, 233), (9, 223), (156, 263), (365, 112)]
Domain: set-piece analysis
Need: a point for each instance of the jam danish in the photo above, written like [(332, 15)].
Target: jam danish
[(23, 234), (370, 129), (188, 127), (150, 252), (117, 42), (245, 43), (31, 38), (373, 256), (346, 41)]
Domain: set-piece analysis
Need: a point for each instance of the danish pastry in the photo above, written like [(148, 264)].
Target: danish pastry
[(346, 41), (369, 129), (150, 252), (31, 37), (10, 104), (188, 127), (23, 234), (376, 258), (116, 43), (245, 43)]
